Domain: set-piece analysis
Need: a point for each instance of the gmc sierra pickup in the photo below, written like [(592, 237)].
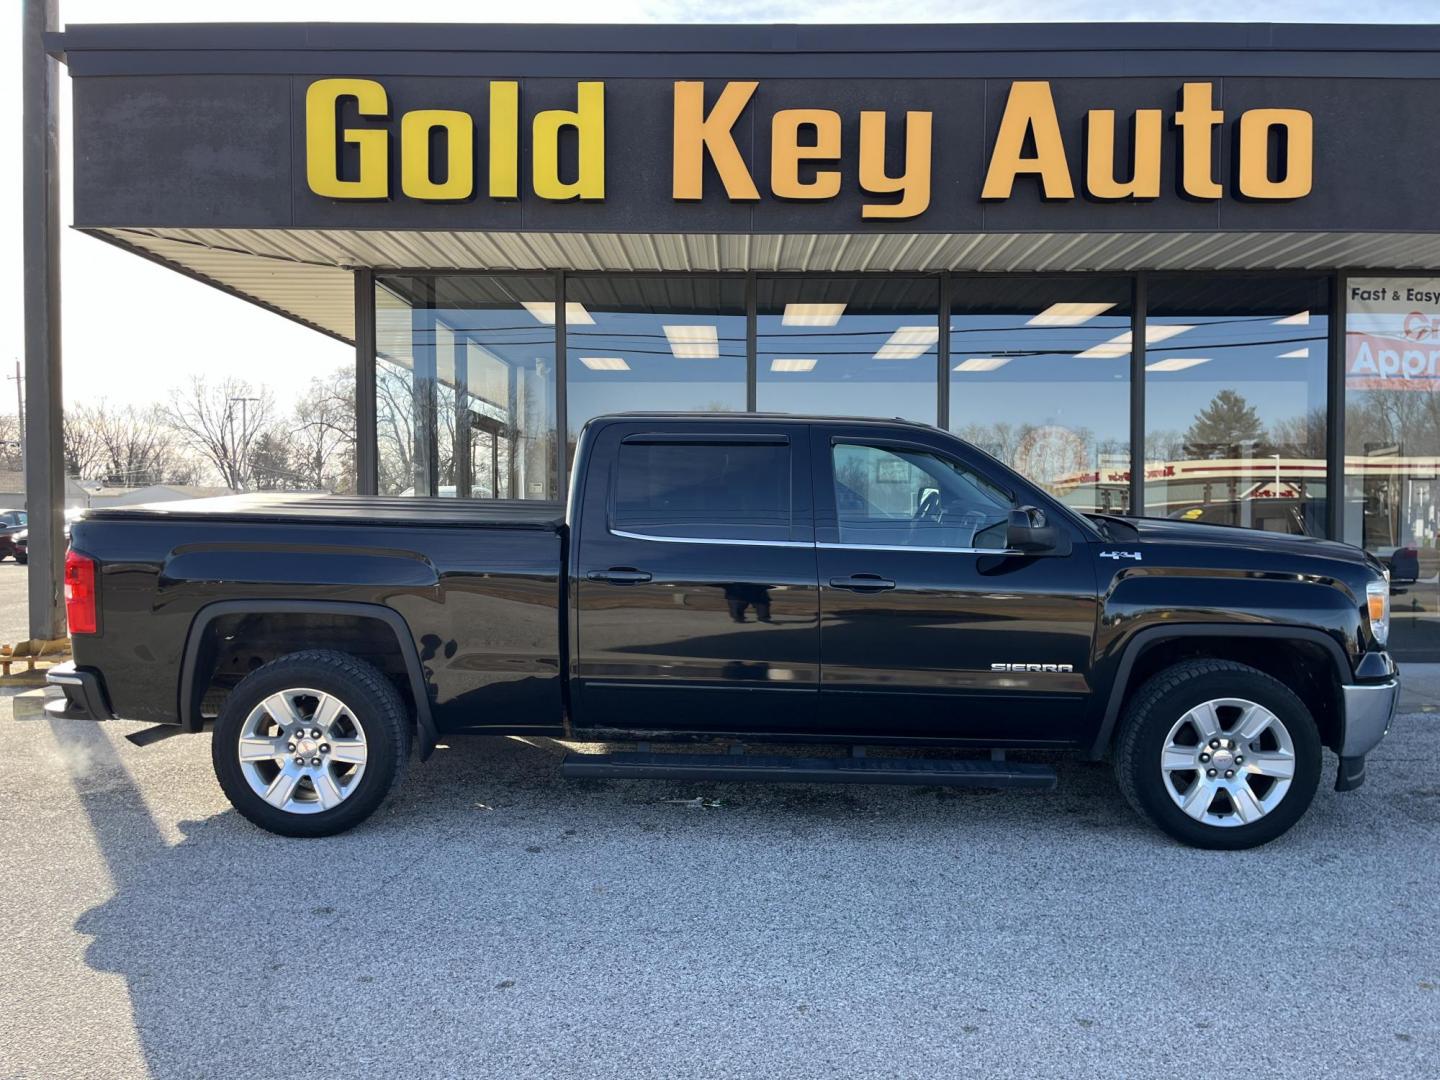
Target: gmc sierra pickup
[(745, 578)]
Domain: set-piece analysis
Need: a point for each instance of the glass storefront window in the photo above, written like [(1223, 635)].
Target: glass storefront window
[(649, 342), (1235, 398), (1040, 378), (1392, 447), (848, 346), (465, 386)]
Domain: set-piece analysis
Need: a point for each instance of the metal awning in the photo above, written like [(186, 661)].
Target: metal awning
[(305, 274)]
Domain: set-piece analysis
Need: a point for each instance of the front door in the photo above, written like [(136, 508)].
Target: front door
[(927, 624), (696, 599)]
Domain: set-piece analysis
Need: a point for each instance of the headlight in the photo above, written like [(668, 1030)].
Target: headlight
[(20, 535), (1377, 598)]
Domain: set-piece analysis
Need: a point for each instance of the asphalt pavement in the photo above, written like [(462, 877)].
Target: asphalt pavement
[(494, 920), (14, 621)]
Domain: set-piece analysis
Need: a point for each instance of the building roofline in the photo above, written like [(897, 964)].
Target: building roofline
[(815, 41), (769, 38), (949, 50)]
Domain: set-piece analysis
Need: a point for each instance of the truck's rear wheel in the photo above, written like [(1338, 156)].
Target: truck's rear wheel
[(310, 744), (1218, 754)]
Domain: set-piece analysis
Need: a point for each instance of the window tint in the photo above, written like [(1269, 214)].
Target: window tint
[(715, 491), (907, 498)]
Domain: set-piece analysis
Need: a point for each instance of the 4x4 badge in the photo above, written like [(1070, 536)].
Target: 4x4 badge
[(1120, 555)]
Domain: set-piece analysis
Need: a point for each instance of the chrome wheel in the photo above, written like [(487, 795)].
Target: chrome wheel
[(302, 751), (1228, 762)]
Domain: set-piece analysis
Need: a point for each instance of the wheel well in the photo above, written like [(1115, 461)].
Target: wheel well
[(1306, 667), (234, 645)]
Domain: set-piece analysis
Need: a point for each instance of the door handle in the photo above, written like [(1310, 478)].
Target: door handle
[(619, 575), (862, 583)]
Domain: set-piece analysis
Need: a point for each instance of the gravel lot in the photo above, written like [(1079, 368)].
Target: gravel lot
[(494, 920)]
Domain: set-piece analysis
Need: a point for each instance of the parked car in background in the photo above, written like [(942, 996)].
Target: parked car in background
[(1403, 564), (1268, 515), (13, 535)]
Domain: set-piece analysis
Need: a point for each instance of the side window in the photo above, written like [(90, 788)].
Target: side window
[(896, 497), (703, 491)]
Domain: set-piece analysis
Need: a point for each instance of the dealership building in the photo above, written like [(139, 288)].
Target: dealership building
[(1180, 270)]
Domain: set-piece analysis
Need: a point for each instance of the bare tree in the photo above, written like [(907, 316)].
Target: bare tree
[(82, 446), (395, 420), (129, 445), (222, 421), (323, 447)]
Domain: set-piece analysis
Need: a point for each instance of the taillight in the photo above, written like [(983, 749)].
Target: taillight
[(80, 600)]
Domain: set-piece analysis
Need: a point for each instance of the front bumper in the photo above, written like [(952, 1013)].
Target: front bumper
[(1369, 710), (84, 694)]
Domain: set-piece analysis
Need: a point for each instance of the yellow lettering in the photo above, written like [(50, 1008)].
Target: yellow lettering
[(504, 140), (322, 139), (696, 134), (1297, 160), (1030, 109), (913, 185), (588, 120), (415, 165), (787, 152), (1197, 120), (1144, 182)]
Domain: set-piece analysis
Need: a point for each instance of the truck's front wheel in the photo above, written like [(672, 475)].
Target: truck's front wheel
[(1218, 754), (310, 744)]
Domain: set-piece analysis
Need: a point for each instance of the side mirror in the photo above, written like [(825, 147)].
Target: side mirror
[(1029, 531)]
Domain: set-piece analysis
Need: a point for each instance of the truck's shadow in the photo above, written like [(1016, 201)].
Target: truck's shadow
[(250, 955)]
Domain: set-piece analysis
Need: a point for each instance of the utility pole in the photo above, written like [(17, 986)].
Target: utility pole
[(44, 449), (242, 474), (20, 410)]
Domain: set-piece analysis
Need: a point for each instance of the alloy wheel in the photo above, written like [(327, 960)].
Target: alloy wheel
[(1228, 762), (302, 751)]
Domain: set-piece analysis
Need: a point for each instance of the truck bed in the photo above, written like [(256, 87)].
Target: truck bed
[(281, 507)]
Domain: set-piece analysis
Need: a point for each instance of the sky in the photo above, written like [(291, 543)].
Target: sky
[(131, 329)]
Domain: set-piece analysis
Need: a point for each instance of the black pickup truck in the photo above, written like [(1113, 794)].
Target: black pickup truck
[(749, 579)]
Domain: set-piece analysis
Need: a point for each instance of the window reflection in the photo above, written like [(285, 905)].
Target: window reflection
[(650, 342), (465, 389), (1040, 378), (848, 346), (1235, 401), (1392, 447)]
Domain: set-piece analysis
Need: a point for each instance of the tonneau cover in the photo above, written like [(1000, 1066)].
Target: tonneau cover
[(370, 509)]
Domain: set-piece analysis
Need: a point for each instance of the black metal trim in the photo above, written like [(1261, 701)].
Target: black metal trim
[(1138, 301), (191, 694), (1151, 636), (752, 344), (562, 388), (684, 438), (1335, 412), (942, 356), (367, 444)]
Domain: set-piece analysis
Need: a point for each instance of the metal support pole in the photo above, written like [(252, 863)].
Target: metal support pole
[(752, 395), (44, 405), (1335, 415), (942, 356), (562, 405), (367, 455), (1138, 317)]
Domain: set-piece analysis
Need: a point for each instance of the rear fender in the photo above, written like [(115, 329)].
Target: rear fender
[(192, 690)]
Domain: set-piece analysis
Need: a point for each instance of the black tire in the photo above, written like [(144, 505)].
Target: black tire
[(22, 559), (373, 703), (1169, 695)]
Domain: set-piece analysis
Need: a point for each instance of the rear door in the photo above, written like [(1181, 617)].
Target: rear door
[(928, 624), (696, 597)]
